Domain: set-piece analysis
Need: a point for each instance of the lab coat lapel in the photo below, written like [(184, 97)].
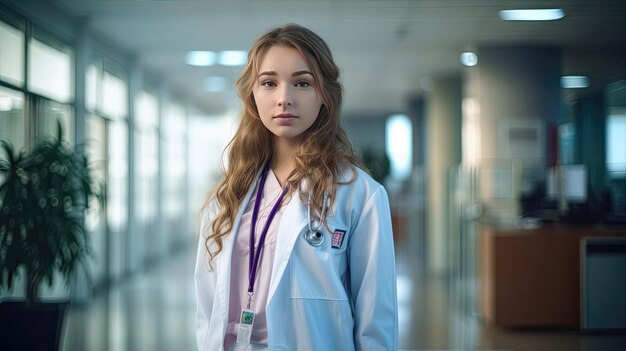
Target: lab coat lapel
[(293, 220), (223, 260)]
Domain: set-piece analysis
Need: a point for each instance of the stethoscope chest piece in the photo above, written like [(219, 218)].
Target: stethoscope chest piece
[(314, 238)]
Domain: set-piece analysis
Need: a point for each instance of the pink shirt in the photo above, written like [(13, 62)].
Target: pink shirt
[(241, 257)]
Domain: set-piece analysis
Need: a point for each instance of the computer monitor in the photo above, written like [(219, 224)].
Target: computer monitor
[(574, 183)]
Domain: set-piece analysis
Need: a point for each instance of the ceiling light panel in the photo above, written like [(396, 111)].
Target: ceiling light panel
[(531, 15), (574, 82), (233, 58), (201, 58), (469, 59)]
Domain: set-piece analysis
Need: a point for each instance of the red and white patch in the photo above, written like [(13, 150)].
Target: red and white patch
[(337, 239)]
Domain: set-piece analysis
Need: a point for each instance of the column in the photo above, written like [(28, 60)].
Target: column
[(443, 151)]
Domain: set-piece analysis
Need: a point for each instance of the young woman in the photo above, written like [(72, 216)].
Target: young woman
[(296, 248)]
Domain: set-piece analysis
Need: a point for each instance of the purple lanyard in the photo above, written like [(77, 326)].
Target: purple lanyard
[(256, 254)]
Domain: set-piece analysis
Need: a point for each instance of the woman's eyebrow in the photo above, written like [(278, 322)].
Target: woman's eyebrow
[(267, 73), (294, 74), (299, 73)]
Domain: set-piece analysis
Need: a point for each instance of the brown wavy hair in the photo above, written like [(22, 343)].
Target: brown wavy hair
[(319, 161)]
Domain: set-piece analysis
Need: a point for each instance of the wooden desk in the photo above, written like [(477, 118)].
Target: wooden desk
[(531, 277)]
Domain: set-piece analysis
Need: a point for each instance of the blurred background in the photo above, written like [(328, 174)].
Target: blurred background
[(499, 136)]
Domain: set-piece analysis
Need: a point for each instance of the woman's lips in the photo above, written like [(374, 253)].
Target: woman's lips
[(285, 117)]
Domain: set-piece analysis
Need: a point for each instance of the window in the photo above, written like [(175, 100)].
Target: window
[(616, 143), (93, 77), (105, 93), (174, 155), (399, 144), (114, 101), (95, 145), (11, 55), (50, 71), (117, 187), (48, 113), (12, 117), (146, 156)]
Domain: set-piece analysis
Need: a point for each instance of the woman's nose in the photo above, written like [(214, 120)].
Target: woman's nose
[(284, 97)]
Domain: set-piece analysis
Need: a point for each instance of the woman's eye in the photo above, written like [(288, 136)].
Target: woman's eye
[(303, 84), (268, 84)]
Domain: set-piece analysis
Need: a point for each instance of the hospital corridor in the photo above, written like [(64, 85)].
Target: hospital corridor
[(156, 311), (495, 130)]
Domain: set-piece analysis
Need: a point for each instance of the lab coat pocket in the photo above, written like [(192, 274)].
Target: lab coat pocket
[(313, 271), (338, 236)]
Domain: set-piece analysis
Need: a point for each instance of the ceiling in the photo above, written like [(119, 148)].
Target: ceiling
[(384, 48)]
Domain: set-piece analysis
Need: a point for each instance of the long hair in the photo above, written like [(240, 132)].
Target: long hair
[(326, 149)]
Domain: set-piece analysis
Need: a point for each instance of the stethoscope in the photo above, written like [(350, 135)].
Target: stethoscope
[(314, 236)]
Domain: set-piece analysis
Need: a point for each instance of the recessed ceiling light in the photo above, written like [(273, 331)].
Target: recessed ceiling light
[(201, 58), (574, 82), (215, 84), (469, 58), (531, 15), (233, 58)]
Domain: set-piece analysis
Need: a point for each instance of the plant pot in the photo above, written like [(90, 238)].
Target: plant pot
[(31, 326)]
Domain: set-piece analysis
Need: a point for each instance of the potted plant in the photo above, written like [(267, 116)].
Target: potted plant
[(377, 163), (43, 197)]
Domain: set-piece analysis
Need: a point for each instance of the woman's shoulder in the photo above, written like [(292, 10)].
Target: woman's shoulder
[(355, 177), (209, 211), (355, 192)]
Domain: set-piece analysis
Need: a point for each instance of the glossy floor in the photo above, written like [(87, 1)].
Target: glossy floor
[(155, 311)]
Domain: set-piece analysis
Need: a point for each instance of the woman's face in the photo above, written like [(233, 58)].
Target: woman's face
[(285, 93)]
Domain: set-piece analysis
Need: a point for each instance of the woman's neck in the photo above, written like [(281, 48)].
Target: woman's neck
[(282, 158)]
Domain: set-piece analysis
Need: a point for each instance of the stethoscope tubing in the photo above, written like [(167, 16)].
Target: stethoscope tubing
[(315, 236)]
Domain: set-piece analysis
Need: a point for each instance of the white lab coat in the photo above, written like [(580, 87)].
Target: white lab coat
[(320, 298)]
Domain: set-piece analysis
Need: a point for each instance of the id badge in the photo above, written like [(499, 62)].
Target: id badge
[(245, 326)]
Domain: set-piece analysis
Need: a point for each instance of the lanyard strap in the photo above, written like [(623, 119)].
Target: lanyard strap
[(256, 254)]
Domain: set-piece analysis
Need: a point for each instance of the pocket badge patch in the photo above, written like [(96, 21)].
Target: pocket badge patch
[(337, 239)]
